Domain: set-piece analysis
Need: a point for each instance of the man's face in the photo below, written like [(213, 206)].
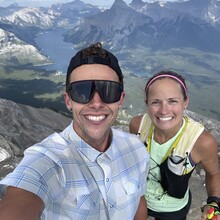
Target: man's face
[(93, 120)]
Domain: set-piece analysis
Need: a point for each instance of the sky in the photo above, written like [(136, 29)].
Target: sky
[(5, 3), (107, 3)]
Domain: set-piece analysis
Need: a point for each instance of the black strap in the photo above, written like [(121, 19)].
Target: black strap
[(213, 199)]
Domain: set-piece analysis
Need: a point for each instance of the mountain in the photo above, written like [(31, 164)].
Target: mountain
[(20, 25), (158, 25), (208, 10), (27, 16), (152, 25), (188, 32), (23, 53), (26, 22), (137, 4), (120, 26), (74, 9), (22, 126)]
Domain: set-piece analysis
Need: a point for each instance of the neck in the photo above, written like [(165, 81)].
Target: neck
[(102, 145), (161, 136)]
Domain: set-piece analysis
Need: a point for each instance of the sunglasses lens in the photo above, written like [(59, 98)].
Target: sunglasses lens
[(80, 91), (83, 91), (109, 91)]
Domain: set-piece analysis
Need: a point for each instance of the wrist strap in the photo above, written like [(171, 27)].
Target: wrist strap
[(213, 199), (210, 205)]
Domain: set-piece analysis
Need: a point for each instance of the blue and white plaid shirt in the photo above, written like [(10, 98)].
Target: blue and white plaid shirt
[(75, 181)]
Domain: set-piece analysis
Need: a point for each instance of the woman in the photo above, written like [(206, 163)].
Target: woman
[(176, 145)]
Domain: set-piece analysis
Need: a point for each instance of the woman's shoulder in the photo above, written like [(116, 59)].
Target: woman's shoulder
[(135, 123), (206, 139), (206, 146)]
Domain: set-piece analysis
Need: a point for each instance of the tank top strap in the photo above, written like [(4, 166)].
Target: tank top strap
[(187, 141), (144, 128), (184, 142)]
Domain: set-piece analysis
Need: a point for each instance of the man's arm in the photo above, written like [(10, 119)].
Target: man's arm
[(20, 204), (141, 213)]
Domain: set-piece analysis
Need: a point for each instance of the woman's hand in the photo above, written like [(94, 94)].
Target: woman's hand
[(209, 213)]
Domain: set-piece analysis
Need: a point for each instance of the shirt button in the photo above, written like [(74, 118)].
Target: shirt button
[(94, 204), (111, 206), (107, 179)]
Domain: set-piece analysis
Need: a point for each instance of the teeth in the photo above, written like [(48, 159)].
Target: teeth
[(166, 119), (95, 118)]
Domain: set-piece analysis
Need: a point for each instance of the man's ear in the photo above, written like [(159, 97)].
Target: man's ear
[(121, 101), (67, 101)]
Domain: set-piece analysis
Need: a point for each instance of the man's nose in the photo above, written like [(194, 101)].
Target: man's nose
[(96, 99)]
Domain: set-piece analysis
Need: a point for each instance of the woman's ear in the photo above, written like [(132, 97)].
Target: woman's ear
[(145, 101), (186, 103)]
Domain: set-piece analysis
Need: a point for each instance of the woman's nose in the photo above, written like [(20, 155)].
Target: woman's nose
[(164, 107)]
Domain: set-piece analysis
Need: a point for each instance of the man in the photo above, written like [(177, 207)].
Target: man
[(88, 171)]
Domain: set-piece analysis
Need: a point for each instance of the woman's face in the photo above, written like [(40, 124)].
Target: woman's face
[(166, 104)]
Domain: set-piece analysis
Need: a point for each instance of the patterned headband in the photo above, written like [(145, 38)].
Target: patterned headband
[(169, 76)]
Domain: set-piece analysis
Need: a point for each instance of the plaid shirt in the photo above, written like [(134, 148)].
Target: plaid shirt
[(75, 181)]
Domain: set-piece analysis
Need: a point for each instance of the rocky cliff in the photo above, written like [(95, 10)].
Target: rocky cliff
[(22, 125)]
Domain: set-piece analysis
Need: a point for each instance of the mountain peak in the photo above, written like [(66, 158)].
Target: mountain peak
[(119, 3), (137, 3), (14, 5)]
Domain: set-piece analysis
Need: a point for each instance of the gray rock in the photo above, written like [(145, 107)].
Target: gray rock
[(22, 126)]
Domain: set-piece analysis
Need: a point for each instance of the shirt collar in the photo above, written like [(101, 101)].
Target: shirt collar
[(87, 150)]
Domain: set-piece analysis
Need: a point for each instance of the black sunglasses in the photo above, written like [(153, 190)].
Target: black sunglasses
[(83, 91)]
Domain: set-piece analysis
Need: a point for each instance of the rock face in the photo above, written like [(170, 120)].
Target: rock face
[(21, 126)]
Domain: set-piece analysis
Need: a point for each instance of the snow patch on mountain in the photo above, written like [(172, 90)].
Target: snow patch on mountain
[(11, 46), (31, 17), (4, 155)]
